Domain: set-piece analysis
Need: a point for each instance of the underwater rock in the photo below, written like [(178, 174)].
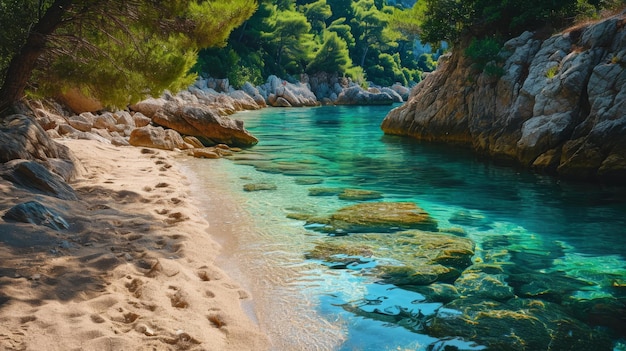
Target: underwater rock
[(484, 286), (308, 181), (470, 219), (414, 257), (379, 217), (259, 186), (325, 191), (360, 195), (551, 286), (519, 324), (437, 292)]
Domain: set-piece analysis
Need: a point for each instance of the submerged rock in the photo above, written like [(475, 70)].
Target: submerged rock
[(519, 324), (360, 195), (377, 217), (259, 187), (415, 257)]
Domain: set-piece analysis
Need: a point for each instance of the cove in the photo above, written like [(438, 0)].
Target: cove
[(524, 260)]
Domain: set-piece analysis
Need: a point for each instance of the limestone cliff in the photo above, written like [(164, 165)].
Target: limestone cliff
[(558, 107)]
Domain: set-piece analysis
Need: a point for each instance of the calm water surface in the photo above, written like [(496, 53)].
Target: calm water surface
[(575, 229)]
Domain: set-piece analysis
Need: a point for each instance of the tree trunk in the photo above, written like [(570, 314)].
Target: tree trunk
[(364, 56), (24, 62)]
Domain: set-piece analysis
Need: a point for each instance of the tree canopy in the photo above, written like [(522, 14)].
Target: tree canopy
[(291, 37), (116, 51)]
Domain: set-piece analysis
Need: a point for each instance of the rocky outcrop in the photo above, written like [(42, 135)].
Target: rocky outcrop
[(558, 107), (281, 93), (156, 137), (36, 178), (204, 122), (356, 95)]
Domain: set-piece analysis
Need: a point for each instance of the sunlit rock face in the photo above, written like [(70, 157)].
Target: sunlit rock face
[(556, 105)]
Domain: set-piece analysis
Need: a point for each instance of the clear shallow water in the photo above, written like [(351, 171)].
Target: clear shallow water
[(531, 221)]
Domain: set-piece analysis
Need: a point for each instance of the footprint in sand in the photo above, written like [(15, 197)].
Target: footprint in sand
[(135, 287), (97, 318), (176, 217), (178, 298), (217, 320), (162, 185)]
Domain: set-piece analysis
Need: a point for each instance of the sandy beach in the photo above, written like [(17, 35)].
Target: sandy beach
[(135, 270)]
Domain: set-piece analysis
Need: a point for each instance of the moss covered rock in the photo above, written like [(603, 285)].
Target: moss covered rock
[(519, 324), (416, 257), (377, 217)]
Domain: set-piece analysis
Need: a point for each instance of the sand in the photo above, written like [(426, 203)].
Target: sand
[(136, 270)]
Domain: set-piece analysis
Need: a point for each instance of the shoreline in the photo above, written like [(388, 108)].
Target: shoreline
[(137, 268)]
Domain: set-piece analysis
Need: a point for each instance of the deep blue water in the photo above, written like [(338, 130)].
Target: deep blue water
[(544, 224)]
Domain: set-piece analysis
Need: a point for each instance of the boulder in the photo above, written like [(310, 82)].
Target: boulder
[(105, 121), (23, 138), (35, 177), (82, 122), (401, 90), (35, 213), (287, 94), (243, 101), (356, 95), (393, 94), (156, 137), (204, 152), (79, 102), (193, 141), (126, 119), (149, 106), (140, 120), (202, 121), (249, 89)]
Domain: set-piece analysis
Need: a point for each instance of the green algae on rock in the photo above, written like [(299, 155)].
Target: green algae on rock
[(376, 217), (415, 257), (518, 324), (360, 195), (259, 186)]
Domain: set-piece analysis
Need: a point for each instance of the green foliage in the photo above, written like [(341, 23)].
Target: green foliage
[(450, 20), (484, 54), (552, 71), (482, 51), (333, 56), (335, 36), (118, 51), (317, 13), (289, 41)]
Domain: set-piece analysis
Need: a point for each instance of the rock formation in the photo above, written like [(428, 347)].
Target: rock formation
[(356, 95), (559, 106)]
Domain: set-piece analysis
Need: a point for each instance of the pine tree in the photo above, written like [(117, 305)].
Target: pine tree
[(115, 51)]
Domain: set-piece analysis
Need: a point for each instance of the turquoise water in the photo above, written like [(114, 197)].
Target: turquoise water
[(535, 225)]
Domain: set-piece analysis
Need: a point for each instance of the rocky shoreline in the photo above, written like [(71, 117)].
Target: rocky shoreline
[(557, 107)]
